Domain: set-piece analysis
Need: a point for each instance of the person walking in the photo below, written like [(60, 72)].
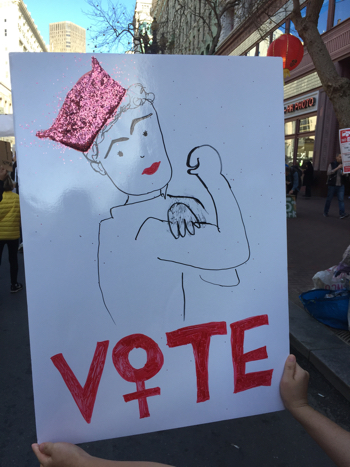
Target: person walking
[(336, 186), (10, 229), (308, 178)]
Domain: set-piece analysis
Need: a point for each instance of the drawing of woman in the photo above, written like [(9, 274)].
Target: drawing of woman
[(150, 242)]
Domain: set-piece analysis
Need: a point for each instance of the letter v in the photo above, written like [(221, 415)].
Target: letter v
[(84, 396)]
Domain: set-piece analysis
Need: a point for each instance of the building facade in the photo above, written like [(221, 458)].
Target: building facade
[(67, 37), (142, 22), (189, 26), (311, 128), (18, 34)]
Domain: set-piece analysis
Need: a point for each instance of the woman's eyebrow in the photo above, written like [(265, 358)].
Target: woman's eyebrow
[(118, 140), (137, 120)]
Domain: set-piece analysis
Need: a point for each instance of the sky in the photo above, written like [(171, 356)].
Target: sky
[(53, 11)]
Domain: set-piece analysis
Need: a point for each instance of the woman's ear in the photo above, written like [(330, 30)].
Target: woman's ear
[(98, 167)]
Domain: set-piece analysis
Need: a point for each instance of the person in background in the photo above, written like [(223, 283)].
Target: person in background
[(14, 177), (3, 175), (308, 178), (293, 181), (336, 186), (333, 439), (10, 229)]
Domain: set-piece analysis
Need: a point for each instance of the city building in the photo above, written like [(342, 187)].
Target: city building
[(18, 33), (142, 21), (188, 28), (311, 128), (67, 37)]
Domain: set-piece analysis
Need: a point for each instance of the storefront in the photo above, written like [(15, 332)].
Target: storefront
[(311, 128), (300, 117)]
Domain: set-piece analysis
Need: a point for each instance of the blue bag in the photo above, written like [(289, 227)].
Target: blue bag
[(330, 311)]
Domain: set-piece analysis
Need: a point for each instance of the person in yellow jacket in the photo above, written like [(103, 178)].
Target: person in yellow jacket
[(10, 221)]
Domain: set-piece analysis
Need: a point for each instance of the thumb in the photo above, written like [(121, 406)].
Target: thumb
[(46, 448), (42, 452), (290, 367)]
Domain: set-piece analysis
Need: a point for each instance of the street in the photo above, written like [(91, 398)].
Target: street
[(274, 439)]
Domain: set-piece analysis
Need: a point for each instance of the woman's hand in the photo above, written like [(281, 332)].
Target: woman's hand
[(293, 386), (59, 455)]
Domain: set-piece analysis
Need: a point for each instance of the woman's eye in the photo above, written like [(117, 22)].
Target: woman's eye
[(145, 133)]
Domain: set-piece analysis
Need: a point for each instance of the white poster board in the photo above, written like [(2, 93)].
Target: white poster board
[(344, 140), (155, 262)]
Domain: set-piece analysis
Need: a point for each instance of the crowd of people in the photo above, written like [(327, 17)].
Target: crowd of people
[(297, 177)]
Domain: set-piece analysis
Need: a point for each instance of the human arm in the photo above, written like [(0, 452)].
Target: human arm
[(295, 182), (69, 455), (333, 439), (331, 171), (217, 242)]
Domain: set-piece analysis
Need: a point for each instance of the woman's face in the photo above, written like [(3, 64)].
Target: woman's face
[(133, 154)]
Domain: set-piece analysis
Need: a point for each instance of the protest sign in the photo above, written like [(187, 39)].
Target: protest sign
[(153, 210), (5, 155), (344, 140)]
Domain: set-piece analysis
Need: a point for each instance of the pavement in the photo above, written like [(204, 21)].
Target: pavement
[(316, 243)]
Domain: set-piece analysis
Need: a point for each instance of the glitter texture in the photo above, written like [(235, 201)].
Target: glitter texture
[(89, 105)]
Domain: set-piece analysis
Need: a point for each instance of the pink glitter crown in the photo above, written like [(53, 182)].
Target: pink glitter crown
[(88, 106)]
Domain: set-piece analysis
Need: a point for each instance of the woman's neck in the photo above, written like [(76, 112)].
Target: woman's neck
[(132, 199)]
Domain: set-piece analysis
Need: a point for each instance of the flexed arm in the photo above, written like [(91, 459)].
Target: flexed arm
[(216, 243)]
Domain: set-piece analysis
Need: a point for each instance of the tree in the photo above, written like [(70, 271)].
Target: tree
[(114, 28), (182, 20), (336, 87)]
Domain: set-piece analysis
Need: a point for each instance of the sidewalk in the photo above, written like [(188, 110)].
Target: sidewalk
[(316, 243)]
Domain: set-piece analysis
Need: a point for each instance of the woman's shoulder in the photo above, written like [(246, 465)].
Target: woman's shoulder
[(10, 195)]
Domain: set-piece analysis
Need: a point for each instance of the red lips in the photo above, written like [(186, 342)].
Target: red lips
[(152, 169)]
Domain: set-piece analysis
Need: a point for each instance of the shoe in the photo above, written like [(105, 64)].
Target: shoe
[(343, 216), (16, 287), (325, 214)]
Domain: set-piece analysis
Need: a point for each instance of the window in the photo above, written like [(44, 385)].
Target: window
[(322, 19), (300, 140), (251, 52), (263, 46), (342, 11), (5, 32), (279, 31), (307, 124)]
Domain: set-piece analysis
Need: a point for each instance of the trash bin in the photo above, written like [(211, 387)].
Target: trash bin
[(330, 311)]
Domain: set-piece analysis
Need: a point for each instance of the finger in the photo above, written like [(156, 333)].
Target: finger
[(182, 227), (174, 229), (289, 367), (300, 373), (46, 448), (42, 458), (190, 228)]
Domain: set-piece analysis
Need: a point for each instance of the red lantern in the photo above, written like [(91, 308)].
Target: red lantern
[(290, 49)]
